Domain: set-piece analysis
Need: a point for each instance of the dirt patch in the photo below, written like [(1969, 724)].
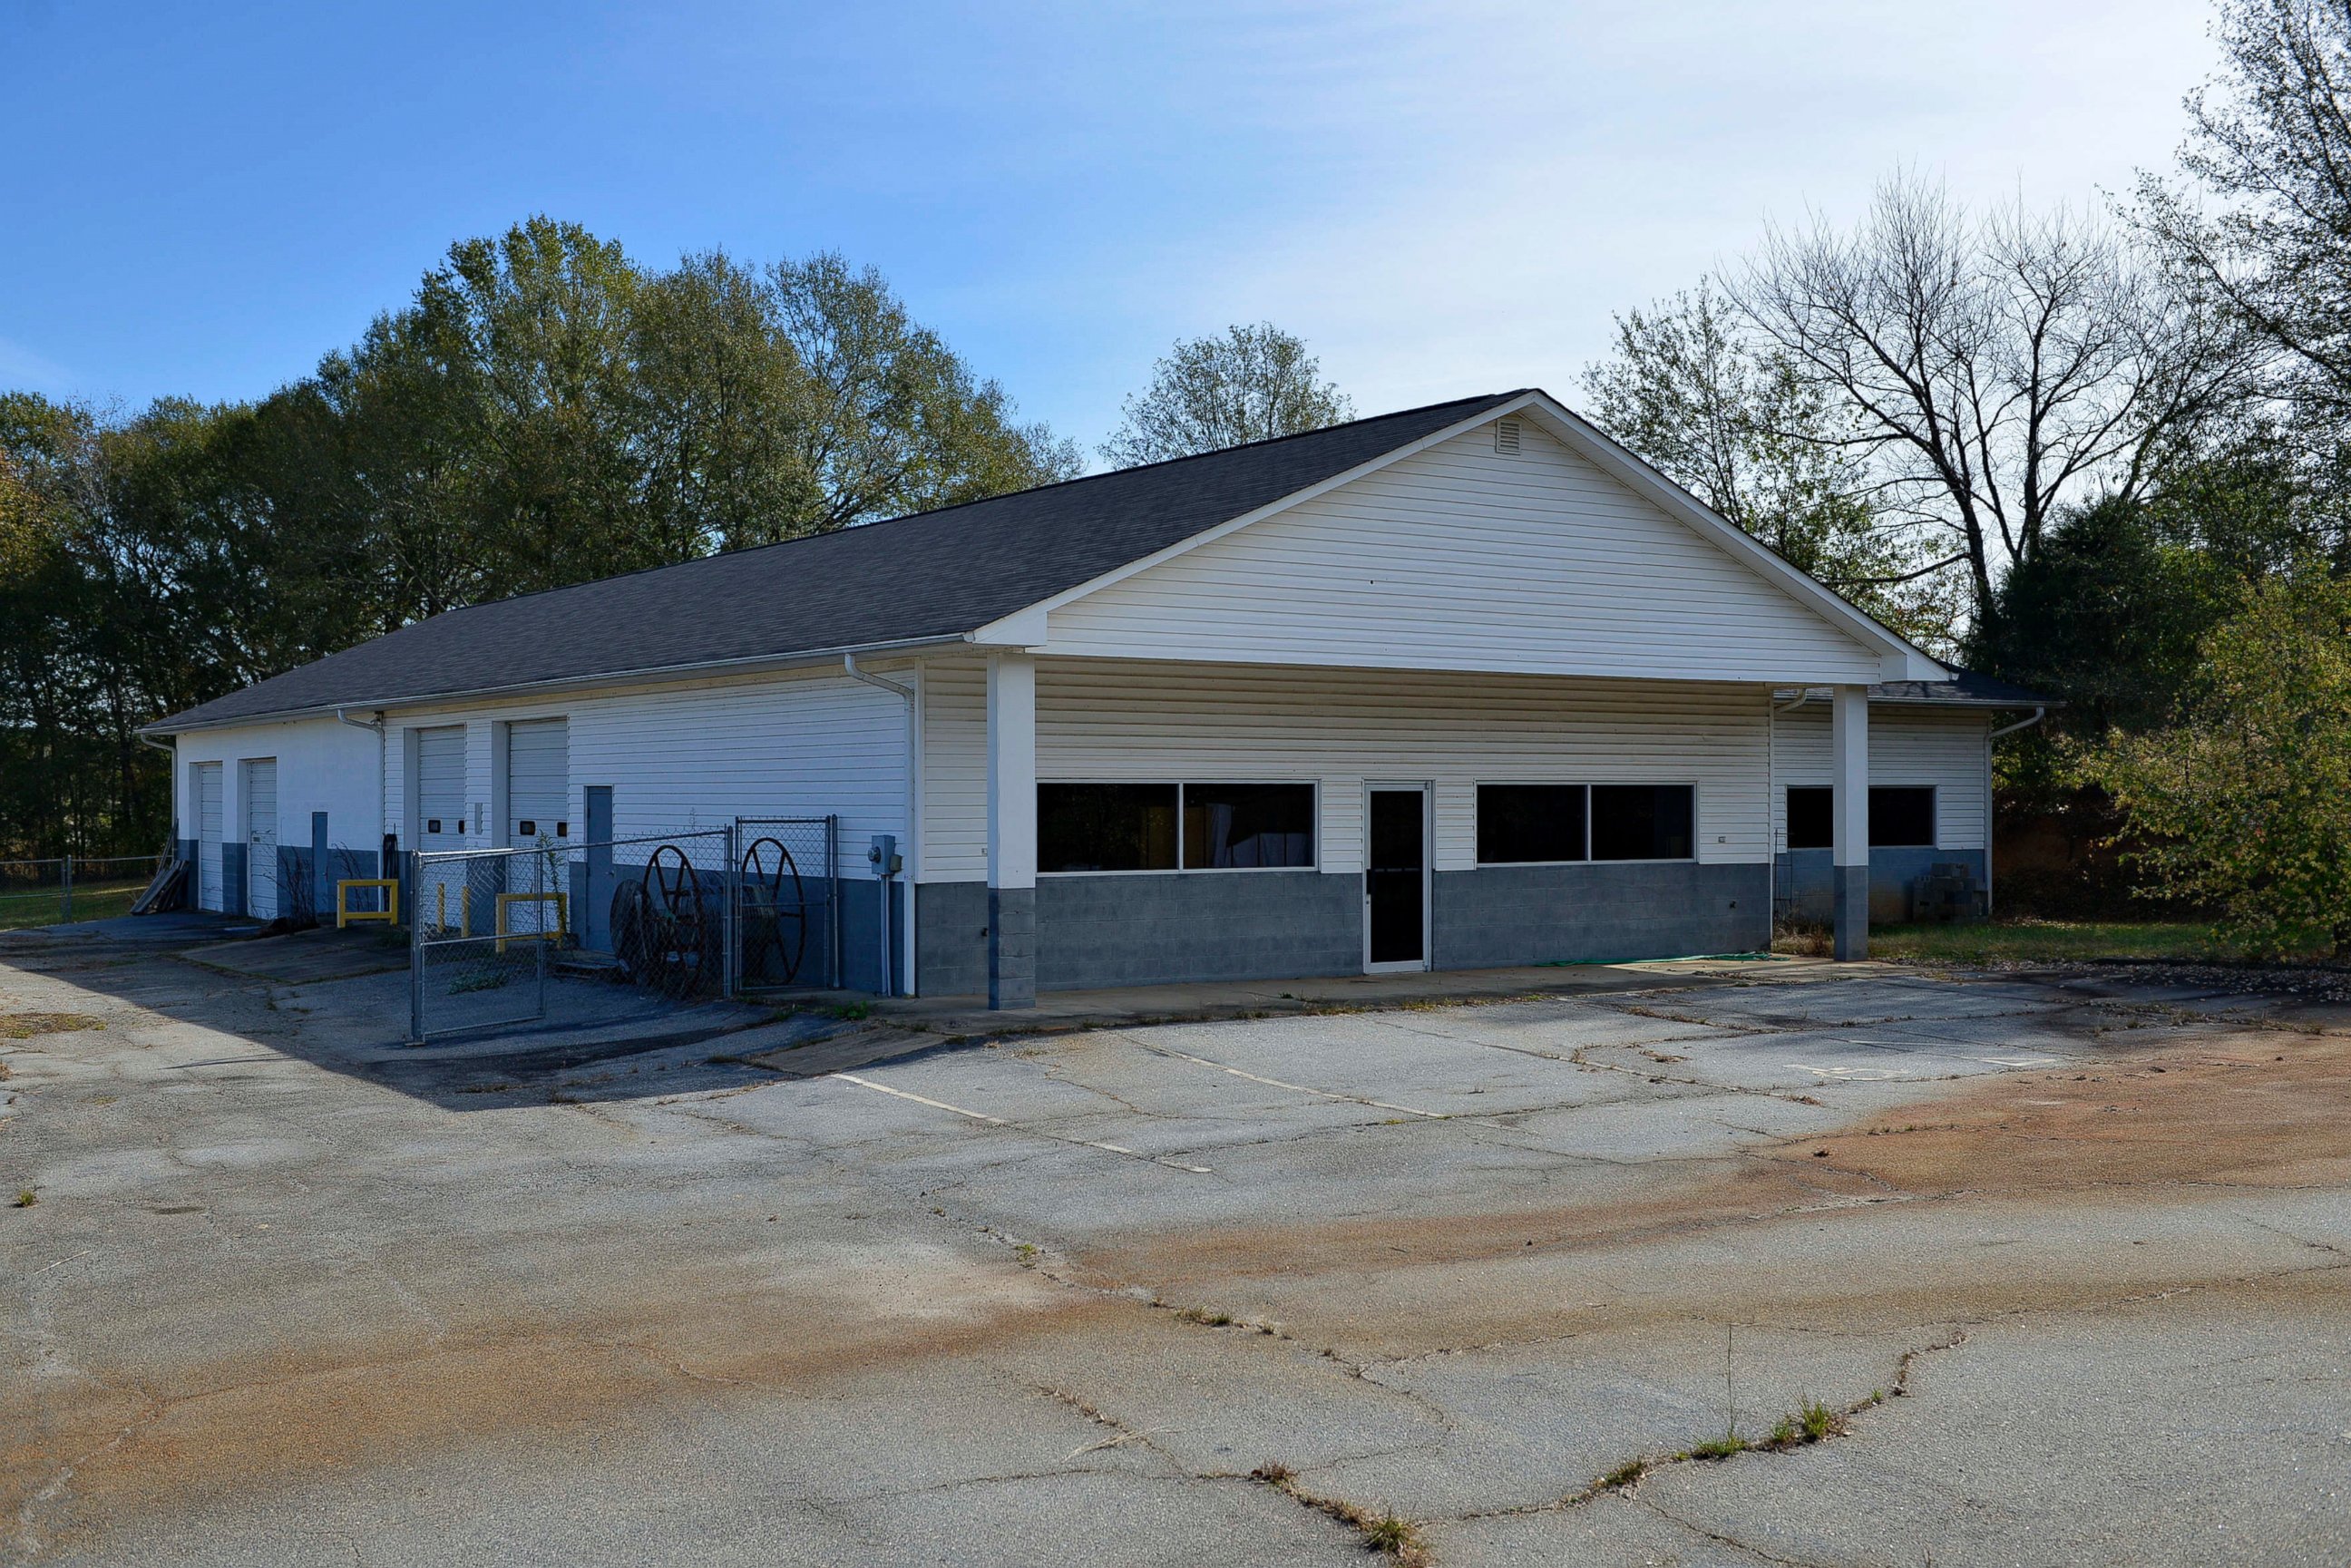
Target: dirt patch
[(2268, 1108), (123, 1448)]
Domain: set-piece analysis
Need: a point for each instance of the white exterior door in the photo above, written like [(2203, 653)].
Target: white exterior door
[(257, 782), (538, 795), (208, 835), (441, 824)]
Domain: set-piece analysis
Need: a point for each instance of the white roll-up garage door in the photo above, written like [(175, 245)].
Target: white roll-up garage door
[(257, 782), (441, 823), (539, 781), (539, 793), (208, 835)]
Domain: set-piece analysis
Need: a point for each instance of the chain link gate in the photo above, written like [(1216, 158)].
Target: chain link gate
[(492, 931), (788, 901)]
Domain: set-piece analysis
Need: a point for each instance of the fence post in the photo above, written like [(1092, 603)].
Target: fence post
[(66, 876), (731, 889)]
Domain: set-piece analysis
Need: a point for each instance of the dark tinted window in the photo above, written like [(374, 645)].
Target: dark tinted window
[(1811, 820), (1228, 825), (1642, 821), (1899, 817), (1105, 826), (1521, 822), (1902, 818)]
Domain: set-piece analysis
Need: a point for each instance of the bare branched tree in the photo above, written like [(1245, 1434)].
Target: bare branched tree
[(1996, 367), (1252, 383), (2269, 144)]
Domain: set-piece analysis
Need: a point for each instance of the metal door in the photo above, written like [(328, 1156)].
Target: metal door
[(1395, 878), (257, 782), (441, 825), (208, 835), (538, 795)]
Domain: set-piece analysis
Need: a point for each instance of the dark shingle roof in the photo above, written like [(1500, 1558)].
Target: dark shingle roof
[(934, 574), (1965, 688)]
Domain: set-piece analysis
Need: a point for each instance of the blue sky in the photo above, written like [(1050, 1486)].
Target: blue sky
[(1441, 198)]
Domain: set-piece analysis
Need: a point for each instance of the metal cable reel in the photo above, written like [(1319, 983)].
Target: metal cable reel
[(775, 911), (688, 959)]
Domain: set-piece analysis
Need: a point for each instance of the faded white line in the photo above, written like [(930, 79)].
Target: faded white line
[(1293, 1087), (1032, 1131)]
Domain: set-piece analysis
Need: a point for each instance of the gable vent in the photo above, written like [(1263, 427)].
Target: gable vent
[(1506, 436)]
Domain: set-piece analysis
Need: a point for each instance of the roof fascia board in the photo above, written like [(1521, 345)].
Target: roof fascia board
[(1900, 658), (655, 676), (1017, 628)]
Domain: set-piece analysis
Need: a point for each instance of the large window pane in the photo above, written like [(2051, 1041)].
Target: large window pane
[(1522, 822), (1812, 821), (1231, 825), (1902, 818), (1642, 821), (1105, 826)]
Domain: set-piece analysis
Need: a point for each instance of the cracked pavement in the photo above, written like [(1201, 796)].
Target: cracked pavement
[(2073, 1255)]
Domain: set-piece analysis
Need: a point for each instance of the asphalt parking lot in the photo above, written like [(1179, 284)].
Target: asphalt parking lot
[(2058, 1264)]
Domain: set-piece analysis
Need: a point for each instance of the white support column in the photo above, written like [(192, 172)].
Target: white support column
[(1012, 830), (1849, 853)]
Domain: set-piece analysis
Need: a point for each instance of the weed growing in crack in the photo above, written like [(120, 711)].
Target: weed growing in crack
[(1721, 1448), (1385, 1532), (1810, 1422), (1208, 1316), (25, 1199), (1623, 1475)]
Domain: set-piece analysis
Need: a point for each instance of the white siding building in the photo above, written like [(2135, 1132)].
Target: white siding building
[(1462, 687)]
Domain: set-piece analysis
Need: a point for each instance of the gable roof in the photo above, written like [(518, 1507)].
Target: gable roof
[(930, 576)]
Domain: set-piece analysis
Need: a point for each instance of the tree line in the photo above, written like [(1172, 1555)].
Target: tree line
[(2104, 454)]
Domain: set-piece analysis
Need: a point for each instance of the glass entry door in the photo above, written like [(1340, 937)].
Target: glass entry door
[(1395, 879)]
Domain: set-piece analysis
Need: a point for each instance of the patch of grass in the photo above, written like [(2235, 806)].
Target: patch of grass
[(27, 1198), (853, 1012), (2045, 941), (95, 901), (1623, 1475), (487, 982), (1721, 1448), (1385, 1532), (1210, 1316), (25, 1026), (1810, 1422)]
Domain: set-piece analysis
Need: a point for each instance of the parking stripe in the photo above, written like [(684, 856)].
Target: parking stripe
[(1000, 1122), (1294, 1088)]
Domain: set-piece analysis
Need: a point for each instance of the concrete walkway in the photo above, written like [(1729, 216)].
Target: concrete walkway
[(1060, 1011)]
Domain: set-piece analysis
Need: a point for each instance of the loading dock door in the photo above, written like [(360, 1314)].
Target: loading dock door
[(539, 796), (441, 823), (208, 835), (258, 778)]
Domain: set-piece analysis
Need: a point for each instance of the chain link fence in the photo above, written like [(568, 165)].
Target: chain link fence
[(788, 907), (576, 932), (71, 887)]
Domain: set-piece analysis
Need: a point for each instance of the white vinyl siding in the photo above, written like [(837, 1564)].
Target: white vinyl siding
[(260, 779), (698, 755), (209, 807), (1464, 559), (1943, 750), (321, 766), (1118, 720)]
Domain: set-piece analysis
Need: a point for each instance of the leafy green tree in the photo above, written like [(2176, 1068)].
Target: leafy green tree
[(1252, 383), (1736, 424), (2245, 805)]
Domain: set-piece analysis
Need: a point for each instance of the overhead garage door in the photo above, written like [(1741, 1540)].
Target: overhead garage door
[(538, 793), (208, 835), (441, 823), (258, 779), (539, 781)]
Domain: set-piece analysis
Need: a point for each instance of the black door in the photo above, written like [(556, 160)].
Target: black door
[(1392, 879)]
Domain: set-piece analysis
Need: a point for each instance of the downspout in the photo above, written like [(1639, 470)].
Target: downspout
[(913, 807), (2038, 715)]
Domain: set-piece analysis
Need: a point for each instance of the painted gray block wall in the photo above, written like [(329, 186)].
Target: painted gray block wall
[(1498, 915), (232, 877), (1808, 890), (1147, 930)]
